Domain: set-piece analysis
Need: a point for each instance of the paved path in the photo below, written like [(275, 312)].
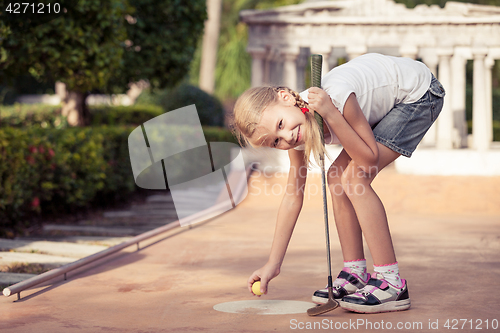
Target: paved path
[(446, 234)]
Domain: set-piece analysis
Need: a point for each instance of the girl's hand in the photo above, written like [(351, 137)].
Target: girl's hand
[(264, 275), (320, 101)]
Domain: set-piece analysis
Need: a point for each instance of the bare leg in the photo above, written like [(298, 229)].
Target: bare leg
[(368, 208), (348, 228)]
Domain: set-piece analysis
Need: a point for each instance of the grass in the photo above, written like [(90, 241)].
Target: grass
[(18, 267)]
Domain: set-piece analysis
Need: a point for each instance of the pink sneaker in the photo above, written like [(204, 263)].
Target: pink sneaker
[(352, 282), (378, 296)]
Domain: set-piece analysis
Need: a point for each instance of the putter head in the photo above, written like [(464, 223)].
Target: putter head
[(330, 305)]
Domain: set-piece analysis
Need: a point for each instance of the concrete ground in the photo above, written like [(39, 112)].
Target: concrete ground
[(445, 229)]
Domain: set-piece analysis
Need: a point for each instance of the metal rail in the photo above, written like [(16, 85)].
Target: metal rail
[(212, 211)]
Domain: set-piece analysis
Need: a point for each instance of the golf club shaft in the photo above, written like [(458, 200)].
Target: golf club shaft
[(316, 67)]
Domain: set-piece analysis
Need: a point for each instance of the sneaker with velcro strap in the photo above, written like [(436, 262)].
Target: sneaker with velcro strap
[(378, 296), (350, 284)]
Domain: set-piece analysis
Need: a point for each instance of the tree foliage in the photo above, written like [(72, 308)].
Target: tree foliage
[(96, 44), (162, 36), (81, 47)]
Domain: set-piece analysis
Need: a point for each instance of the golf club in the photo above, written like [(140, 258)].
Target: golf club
[(331, 304)]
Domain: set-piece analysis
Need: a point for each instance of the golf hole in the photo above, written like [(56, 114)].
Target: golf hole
[(264, 307)]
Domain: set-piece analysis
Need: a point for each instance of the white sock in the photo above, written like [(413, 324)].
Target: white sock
[(356, 266), (390, 273)]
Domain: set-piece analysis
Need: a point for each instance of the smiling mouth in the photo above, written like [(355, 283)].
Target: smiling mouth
[(298, 135)]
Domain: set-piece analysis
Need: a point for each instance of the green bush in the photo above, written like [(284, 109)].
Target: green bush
[(218, 134), (49, 116), (46, 171), (58, 171), (209, 108), (47, 167), (29, 115), (123, 115)]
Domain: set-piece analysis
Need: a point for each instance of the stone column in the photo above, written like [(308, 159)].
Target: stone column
[(409, 51), (302, 62), (354, 51), (334, 62), (325, 52), (269, 64), (479, 113), (258, 58), (326, 64), (431, 61), (458, 64), (290, 67), (489, 63), (430, 137), (445, 124)]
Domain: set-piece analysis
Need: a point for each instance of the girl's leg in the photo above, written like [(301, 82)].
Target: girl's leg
[(348, 228), (353, 276), (386, 291), (368, 208)]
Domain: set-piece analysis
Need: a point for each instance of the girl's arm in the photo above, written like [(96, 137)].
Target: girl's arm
[(287, 217), (352, 129)]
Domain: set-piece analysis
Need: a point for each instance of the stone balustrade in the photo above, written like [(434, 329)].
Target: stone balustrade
[(443, 38)]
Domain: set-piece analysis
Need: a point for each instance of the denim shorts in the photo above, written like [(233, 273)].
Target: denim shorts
[(405, 125)]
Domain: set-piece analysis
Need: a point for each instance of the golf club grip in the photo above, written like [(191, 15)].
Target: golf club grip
[(316, 64)]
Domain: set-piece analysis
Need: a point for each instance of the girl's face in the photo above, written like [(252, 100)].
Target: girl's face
[(282, 124)]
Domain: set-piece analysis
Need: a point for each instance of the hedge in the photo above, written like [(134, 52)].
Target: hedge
[(44, 171), (210, 109), (32, 115), (49, 116), (123, 115), (58, 171)]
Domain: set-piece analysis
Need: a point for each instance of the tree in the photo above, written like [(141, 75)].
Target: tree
[(81, 46), (233, 70), (162, 36), (210, 46), (105, 45)]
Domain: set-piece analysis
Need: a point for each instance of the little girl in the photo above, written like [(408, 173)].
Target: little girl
[(378, 108)]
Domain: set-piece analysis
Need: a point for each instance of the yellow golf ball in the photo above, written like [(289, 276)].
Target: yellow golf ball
[(256, 288)]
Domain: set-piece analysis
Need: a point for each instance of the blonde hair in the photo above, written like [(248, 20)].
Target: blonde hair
[(248, 112)]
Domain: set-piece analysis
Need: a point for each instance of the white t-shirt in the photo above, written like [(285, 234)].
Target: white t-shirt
[(379, 82)]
